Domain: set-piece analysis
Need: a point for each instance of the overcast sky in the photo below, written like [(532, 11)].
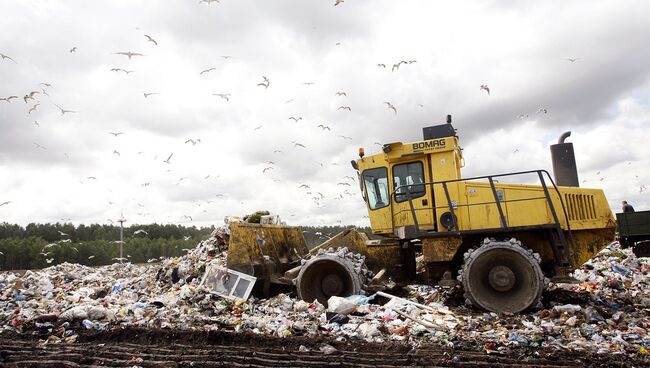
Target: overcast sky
[(56, 166)]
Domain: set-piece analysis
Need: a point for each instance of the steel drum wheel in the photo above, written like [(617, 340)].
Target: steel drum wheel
[(502, 277)]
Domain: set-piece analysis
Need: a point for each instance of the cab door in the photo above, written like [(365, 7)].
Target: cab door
[(412, 175), (376, 192)]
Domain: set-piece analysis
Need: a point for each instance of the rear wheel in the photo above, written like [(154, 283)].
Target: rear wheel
[(502, 276)]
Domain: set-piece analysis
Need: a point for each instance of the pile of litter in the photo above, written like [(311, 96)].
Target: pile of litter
[(62, 300)]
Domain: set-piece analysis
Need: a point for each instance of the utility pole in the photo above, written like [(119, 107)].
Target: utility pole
[(122, 220)]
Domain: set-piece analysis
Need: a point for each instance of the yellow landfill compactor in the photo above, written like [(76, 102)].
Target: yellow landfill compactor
[(502, 241)]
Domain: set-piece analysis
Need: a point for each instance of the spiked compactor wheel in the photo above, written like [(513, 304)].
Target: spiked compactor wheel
[(332, 273), (502, 276)]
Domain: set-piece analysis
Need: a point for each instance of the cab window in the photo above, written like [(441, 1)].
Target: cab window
[(376, 183), (409, 174)]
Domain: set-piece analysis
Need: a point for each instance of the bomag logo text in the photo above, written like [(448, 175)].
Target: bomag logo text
[(437, 143)]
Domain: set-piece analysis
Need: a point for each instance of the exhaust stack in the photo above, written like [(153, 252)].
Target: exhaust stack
[(564, 163)]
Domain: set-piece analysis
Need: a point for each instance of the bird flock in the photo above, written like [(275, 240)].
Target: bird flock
[(43, 96)]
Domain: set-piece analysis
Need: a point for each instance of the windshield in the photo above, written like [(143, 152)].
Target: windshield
[(376, 183)]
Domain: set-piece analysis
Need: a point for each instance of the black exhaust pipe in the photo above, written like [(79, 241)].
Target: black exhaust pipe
[(564, 163)]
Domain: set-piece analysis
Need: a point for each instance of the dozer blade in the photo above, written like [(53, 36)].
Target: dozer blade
[(265, 251)]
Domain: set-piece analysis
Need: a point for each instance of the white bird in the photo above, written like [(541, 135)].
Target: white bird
[(187, 217), (30, 96), (140, 231), (7, 57), (168, 158), (73, 49), (5, 203), (115, 134), (121, 70), (62, 233), (91, 257), (541, 109), (267, 168), (390, 106), (345, 137), (193, 141), (149, 94), (345, 108), (34, 108), (115, 152), (151, 40), (324, 127), (258, 127), (39, 146), (49, 260), (296, 144), (277, 151), (572, 60), (207, 70), (128, 53), (485, 88), (381, 65), (209, 1), (295, 119), (224, 96), (8, 99), (264, 83), (341, 94), (337, 2), (64, 111)]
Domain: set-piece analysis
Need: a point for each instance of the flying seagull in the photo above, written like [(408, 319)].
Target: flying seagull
[(296, 144), (267, 168), (34, 108), (140, 231), (341, 94), (224, 96), (121, 70), (193, 141), (258, 128), (168, 158), (7, 57), (484, 87), (116, 153), (324, 127), (8, 99), (337, 2), (149, 94), (151, 40), (30, 96), (572, 60), (390, 106), (209, 1), (264, 83), (5, 203), (345, 137), (115, 134), (64, 111), (73, 49), (39, 146), (345, 108), (128, 53), (207, 70), (541, 109), (381, 65), (295, 119)]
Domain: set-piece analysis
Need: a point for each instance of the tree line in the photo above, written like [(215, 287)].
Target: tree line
[(38, 246)]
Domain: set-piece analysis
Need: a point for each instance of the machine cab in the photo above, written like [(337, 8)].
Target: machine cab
[(392, 182)]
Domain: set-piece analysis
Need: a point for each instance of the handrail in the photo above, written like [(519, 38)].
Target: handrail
[(497, 202)]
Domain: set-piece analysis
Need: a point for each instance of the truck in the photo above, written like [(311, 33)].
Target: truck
[(502, 237), (633, 231)]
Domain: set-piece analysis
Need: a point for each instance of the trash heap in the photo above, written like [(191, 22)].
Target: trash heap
[(607, 312)]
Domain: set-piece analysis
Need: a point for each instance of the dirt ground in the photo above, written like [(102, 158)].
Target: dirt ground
[(167, 348)]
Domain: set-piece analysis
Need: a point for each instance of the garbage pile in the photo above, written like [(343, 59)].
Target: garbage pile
[(62, 300)]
